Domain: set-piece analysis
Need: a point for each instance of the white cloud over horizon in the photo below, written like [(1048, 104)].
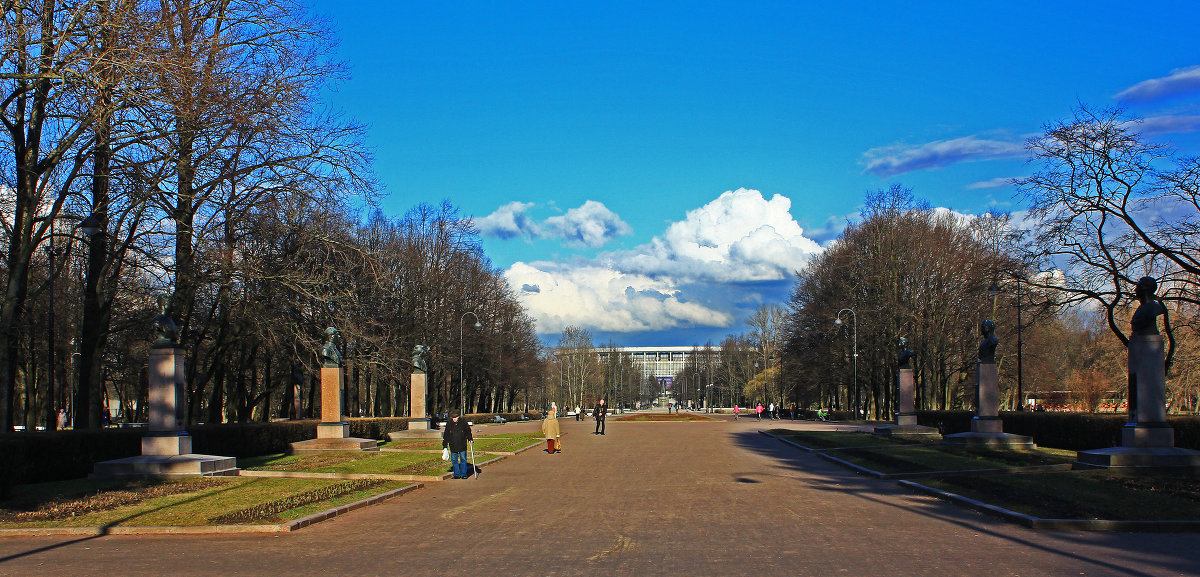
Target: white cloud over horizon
[(1179, 81), (591, 224), (671, 282), (898, 159)]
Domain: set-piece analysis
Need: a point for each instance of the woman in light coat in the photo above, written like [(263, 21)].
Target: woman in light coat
[(551, 432)]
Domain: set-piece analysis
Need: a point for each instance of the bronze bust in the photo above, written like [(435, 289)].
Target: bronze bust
[(987, 346)]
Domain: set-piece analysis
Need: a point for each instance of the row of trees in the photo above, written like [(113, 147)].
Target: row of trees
[(178, 146), (1107, 208)]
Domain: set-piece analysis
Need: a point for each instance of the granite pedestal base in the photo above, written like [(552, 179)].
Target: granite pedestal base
[(417, 429), (991, 440), (1139, 457), (905, 430), (342, 445), (145, 466)]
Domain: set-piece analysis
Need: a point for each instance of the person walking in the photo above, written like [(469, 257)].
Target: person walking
[(599, 412), (758, 411), (771, 410), (455, 437), (736, 410), (551, 431), (793, 411)]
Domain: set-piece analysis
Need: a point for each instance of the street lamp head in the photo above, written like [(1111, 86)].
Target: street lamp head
[(90, 226), (993, 290), (477, 325), (838, 321)]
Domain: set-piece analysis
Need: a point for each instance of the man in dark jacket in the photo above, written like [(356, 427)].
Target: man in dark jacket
[(599, 412), (456, 436)]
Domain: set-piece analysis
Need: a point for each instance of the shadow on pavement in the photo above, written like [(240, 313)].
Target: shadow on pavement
[(821, 475)]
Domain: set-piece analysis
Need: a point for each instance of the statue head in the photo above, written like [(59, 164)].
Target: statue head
[(1145, 288), (987, 328)]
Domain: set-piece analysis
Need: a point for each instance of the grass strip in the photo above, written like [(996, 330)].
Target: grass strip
[(836, 439), (933, 458), (1107, 495), (270, 510)]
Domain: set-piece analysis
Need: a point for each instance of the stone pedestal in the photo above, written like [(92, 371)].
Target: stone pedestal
[(986, 428), (906, 415), (1146, 440), (333, 432), (418, 424), (167, 447)]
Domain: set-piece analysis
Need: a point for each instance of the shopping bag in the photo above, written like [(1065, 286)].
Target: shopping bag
[(445, 453)]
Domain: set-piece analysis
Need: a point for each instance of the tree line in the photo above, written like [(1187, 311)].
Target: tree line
[(180, 146)]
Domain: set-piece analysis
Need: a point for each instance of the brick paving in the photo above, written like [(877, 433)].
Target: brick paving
[(645, 499)]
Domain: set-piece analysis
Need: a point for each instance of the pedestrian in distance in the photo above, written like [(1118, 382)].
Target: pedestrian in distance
[(599, 412), (758, 411), (736, 410), (456, 437), (551, 431)]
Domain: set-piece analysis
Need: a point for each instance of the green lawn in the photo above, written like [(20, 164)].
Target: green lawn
[(1149, 496), (377, 463), (502, 443), (189, 502), (926, 458), (835, 439)]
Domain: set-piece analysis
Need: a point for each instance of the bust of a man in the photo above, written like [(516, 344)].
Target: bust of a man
[(330, 355), (418, 359), (1145, 318), (904, 356), (164, 326), (987, 346)]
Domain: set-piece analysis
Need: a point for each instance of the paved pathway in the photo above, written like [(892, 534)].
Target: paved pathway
[(645, 499)]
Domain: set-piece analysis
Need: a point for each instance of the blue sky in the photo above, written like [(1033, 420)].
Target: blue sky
[(655, 171)]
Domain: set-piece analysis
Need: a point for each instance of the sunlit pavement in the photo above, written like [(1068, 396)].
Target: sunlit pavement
[(704, 498)]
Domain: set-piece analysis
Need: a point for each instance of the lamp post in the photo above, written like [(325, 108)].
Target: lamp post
[(51, 414), (854, 318), (1020, 391), (89, 384), (462, 384), (696, 375)]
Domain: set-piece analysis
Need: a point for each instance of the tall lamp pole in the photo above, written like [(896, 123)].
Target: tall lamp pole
[(462, 384), (854, 318), (1020, 395)]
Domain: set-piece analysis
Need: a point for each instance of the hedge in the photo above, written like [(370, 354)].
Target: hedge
[(34, 457), (1061, 430)]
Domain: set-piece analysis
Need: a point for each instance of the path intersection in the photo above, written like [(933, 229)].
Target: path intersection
[(701, 498)]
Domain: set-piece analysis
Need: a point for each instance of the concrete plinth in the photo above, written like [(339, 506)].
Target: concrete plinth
[(906, 416), (987, 429), (333, 430), (1146, 440), (905, 430), (166, 448), (417, 429), (990, 440), (340, 445), (189, 465), (1139, 457)]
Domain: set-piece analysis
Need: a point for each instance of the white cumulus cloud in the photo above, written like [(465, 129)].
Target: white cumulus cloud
[(602, 298), (671, 282), (509, 221), (591, 225)]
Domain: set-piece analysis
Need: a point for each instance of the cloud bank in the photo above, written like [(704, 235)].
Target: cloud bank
[(1180, 81), (681, 278), (591, 225), (898, 159)]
